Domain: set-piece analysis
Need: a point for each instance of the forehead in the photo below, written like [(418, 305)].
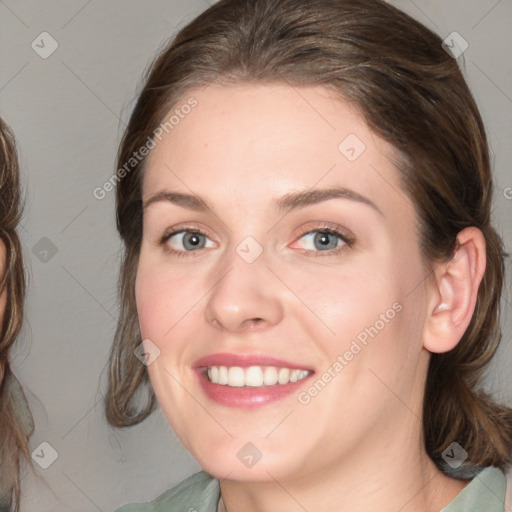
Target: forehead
[(252, 142)]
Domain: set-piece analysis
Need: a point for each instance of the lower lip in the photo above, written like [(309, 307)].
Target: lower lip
[(247, 397)]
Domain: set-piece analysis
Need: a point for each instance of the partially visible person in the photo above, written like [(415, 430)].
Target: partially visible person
[(16, 423), (324, 176)]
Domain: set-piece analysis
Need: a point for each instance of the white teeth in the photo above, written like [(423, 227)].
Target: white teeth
[(284, 376), (223, 375), (270, 376), (236, 376), (254, 376)]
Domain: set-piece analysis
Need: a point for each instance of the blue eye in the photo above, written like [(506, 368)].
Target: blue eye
[(186, 241), (326, 240)]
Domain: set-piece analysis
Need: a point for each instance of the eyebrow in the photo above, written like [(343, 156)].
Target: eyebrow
[(190, 201), (286, 203)]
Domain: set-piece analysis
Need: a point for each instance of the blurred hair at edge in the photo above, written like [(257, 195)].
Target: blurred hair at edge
[(14, 428), (412, 94)]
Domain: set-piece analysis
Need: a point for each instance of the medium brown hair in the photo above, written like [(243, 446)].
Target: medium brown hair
[(14, 438), (411, 93)]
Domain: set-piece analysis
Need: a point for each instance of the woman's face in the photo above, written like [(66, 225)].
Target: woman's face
[(306, 258)]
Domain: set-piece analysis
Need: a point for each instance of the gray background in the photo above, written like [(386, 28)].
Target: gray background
[(68, 112)]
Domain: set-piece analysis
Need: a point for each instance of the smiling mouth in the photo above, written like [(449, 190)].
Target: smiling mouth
[(254, 376)]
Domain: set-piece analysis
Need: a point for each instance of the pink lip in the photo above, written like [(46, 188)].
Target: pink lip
[(246, 360), (246, 397)]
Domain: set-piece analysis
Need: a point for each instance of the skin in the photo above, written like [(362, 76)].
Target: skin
[(358, 444)]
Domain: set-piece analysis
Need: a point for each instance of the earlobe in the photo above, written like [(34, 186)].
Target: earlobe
[(455, 292)]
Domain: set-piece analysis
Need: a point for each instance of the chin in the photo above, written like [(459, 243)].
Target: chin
[(242, 461)]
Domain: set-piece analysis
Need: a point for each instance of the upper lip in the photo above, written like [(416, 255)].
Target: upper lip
[(246, 360)]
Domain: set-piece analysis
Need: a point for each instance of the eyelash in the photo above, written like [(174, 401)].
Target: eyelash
[(348, 242)]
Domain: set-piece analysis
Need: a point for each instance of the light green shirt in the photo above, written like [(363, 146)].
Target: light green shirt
[(201, 493)]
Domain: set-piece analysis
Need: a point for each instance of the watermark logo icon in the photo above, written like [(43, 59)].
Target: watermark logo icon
[(454, 455), (352, 147), (455, 45), (44, 45), (45, 455), (44, 250), (147, 352), (249, 250), (249, 455)]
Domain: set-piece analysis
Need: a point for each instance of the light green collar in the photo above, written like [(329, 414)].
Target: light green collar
[(486, 491)]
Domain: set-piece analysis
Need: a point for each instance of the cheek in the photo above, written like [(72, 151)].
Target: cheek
[(346, 301), (164, 298), (365, 311), (156, 300), (148, 297)]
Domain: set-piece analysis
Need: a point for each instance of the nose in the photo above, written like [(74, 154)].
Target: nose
[(247, 297)]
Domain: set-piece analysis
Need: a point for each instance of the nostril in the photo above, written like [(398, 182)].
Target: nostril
[(254, 321), (215, 322)]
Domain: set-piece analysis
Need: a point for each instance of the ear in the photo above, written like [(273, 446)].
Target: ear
[(454, 293)]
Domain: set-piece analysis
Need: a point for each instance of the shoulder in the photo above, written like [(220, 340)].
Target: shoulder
[(486, 491), (197, 493)]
